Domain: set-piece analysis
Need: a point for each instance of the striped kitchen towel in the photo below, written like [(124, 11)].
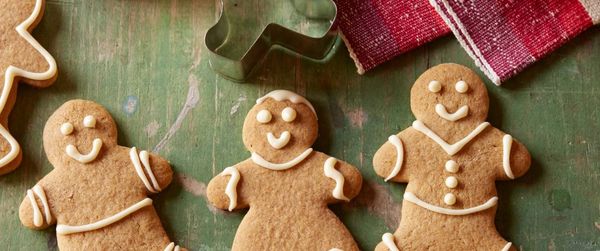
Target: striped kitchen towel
[(376, 31), (506, 36)]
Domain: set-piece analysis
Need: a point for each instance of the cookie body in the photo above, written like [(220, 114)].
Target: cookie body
[(287, 186), (97, 194), (450, 158), (22, 58)]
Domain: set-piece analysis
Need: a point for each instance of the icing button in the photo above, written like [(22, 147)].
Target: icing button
[(461, 86), (264, 116), (89, 121), (449, 199), (434, 86), (451, 182), (451, 166), (66, 128)]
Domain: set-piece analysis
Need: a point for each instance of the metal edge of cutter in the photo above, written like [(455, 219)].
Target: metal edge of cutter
[(239, 69)]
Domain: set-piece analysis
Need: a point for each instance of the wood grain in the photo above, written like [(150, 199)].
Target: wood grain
[(145, 61)]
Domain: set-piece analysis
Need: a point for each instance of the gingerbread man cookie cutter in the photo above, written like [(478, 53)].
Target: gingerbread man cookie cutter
[(312, 47)]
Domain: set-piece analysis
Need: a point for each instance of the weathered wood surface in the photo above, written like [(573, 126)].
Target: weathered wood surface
[(145, 61)]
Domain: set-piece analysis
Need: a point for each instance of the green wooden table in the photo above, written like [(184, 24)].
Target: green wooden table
[(145, 61)]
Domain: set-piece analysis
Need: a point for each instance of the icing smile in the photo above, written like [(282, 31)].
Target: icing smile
[(72, 152), (280, 142), (462, 112)]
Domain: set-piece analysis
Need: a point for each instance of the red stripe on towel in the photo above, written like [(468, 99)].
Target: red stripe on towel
[(376, 31)]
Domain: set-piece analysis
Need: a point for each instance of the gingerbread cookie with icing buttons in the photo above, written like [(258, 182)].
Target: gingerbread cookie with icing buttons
[(285, 183), (450, 157), (97, 194), (22, 59)]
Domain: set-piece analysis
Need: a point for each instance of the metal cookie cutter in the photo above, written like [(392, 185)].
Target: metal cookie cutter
[(239, 69)]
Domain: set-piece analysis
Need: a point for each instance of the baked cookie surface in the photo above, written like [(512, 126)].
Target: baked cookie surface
[(97, 194), (22, 58), (286, 184), (450, 158)]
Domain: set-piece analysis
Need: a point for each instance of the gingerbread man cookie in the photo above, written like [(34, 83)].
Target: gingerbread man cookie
[(450, 158), (21, 58), (286, 184), (97, 192)]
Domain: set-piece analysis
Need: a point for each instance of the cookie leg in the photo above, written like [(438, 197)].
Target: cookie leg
[(388, 243), (173, 247), (509, 247), (10, 151)]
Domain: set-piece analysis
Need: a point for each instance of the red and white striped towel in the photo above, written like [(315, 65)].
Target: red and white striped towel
[(376, 31), (506, 36), (502, 36)]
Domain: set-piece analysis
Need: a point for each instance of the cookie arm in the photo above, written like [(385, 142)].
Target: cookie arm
[(162, 170), (515, 159), (347, 178), (388, 161), (35, 211), (224, 190), (154, 172)]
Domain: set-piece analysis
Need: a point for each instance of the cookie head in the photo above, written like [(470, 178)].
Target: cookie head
[(79, 131), (280, 121), (449, 93)]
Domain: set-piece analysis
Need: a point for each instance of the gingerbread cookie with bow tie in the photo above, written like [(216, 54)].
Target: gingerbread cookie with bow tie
[(22, 58), (450, 158), (97, 194), (285, 183)]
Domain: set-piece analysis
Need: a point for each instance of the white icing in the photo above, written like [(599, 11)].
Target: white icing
[(13, 72), (264, 116), (449, 199), (449, 149), (66, 128), (451, 166), (37, 213), (461, 86), (259, 160), (281, 95), (145, 160), (434, 86), (441, 111), (288, 114), (231, 189), (332, 173), (397, 143), (507, 141), (89, 121), (388, 241), (507, 247), (66, 229), (172, 247), (280, 142), (488, 204), (37, 217), (451, 182), (72, 152)]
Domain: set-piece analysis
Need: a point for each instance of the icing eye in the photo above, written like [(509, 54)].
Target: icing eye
[(288, 114), (89, 121), (264, 116), (435, 86), (66, 128), (461, 86)]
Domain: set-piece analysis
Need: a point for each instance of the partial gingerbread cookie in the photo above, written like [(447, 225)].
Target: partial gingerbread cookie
[(21, 58), (286, 184), (450, 158), (97, 192)]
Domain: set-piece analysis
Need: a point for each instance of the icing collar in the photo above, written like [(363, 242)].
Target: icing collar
[(450, 149), (259, 160)]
